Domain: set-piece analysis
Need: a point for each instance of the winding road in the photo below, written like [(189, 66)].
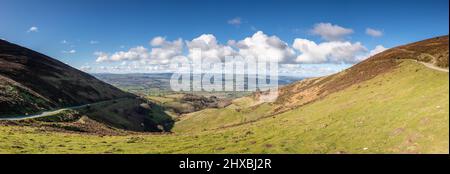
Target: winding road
[(50, 113)]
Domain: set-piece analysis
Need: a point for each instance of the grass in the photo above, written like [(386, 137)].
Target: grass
[(209, 119), (68, 115), (403, 111)]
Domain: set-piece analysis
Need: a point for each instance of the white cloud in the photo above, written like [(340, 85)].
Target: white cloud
[(33, 29), (328, 52), (157, 41), (161, 52), (235, 21), (231, 42), (64, 42), (165, 50), (373, 32), (136, 53), (261, 45), (94, 42), (330, 32), (101, 56), (210, 48), (376, 50), (86, 68), (69, 52)]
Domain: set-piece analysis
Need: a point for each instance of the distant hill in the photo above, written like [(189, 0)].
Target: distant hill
[(31, 81)]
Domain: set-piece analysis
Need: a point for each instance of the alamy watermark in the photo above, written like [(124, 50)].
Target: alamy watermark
[(234, 73)]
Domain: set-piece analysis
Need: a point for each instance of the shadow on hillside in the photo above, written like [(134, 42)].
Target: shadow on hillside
[(132, 114)]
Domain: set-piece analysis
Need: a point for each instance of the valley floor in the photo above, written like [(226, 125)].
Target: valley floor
[(403, 111)]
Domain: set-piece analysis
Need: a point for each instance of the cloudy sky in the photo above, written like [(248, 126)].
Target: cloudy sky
[(308, 38)]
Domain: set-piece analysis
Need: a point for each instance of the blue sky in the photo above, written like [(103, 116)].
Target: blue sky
[(72, 31)]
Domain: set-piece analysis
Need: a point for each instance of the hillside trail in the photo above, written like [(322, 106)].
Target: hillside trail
[(52, 112), (428, 65)]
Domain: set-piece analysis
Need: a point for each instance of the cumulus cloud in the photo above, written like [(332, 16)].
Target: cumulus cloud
[(261, 45), (328, 52), (86, 68), (209, 47), (136, 53), (93, 42), (161, 52), (235, 21), (376, 50), (69, 52), (157, 41), (101, 56), (373, 32), (165, 50), (64, 42), (330, 32), (33, 29)]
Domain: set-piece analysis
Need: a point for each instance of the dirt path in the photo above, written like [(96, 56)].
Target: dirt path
[(429, 65)]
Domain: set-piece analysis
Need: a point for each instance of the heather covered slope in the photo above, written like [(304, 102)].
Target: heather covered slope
[(433, 51), (30, 82)]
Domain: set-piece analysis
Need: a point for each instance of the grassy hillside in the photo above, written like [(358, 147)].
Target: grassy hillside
[(433, 51), (404, 110), (242, 110), (176, 104)]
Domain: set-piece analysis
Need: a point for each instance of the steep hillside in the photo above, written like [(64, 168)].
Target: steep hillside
[(433, 51), (30, 81)]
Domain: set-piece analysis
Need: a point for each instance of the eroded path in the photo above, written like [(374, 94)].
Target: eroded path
[(428, 65)]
